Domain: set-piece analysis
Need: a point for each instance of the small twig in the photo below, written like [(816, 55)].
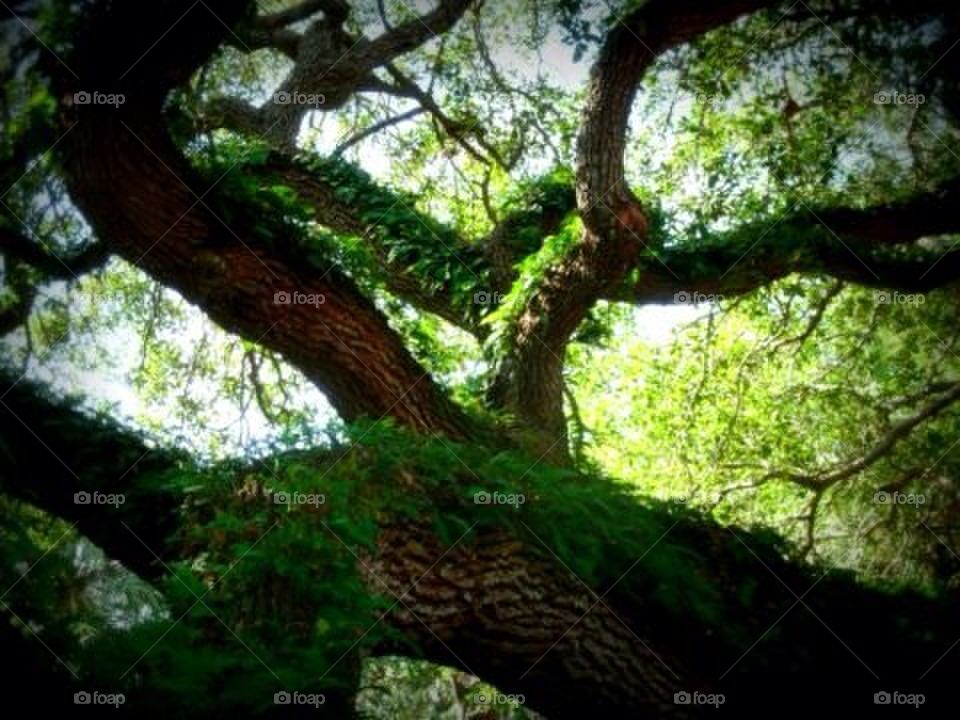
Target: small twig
[(375, 128)]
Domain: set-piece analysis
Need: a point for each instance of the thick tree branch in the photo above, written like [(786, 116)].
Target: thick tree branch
[(20, 248), (874, 247), (414, 33), (933, 213), (628, 51), (530, 381), (50, 451), (500, 603), (165, 223), (363, 215), (490, 258), (330, 65)]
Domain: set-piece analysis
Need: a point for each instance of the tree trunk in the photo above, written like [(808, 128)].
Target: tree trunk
[(499, 604), (502, 606), (162, 222)]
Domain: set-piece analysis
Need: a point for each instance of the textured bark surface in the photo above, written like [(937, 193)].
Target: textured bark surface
[(341, 342), (151, 208), (497, 606), (503, 607), (530, 381), (517, 619)]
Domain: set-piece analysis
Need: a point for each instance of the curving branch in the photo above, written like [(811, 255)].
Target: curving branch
[(414, 33), (874, 247), (170, 223), (530, 381), (330, 65), (819, 481), (631, 47), (21, 249), (51, 450), (884, 445)]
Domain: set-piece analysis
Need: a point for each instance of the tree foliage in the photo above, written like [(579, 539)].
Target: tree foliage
[(594, 305)]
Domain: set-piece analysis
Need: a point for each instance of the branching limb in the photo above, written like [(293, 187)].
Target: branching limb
[(411, 35), (530, 382), (821, 480), (406, 87), (19, 248), (375, 128)]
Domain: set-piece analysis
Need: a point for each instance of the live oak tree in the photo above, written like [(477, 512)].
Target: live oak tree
[(586, 597)]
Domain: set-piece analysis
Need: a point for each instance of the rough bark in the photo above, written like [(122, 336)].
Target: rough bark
[(134, 187), (503, 610), (631, 46), (500, 605), (497, 608), (530, 380), (50, 451), (506, 609)]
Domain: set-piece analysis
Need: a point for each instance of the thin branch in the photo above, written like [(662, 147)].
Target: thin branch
[(381, 8), (816, 318), (375, 128), (333, 9), (406, 87), (823, 479), (416, 32), (897, 432)]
